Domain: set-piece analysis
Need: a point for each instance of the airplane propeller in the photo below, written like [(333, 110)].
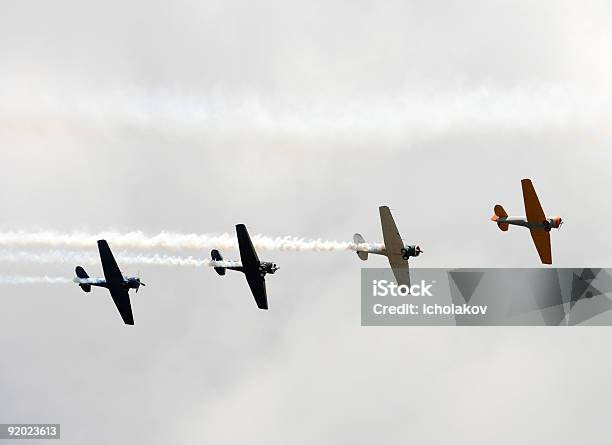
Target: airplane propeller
[(140, 283)]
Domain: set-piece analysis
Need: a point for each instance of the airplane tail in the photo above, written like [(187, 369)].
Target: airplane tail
[(358, 239), (216, 256), (80, 272), (499, 212)]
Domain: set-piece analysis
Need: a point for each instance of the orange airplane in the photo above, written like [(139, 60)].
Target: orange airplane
[(536, 221)]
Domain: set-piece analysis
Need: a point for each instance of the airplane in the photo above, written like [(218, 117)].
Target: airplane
[(394, 248), (249, 264), (117, 283), (536, 221)]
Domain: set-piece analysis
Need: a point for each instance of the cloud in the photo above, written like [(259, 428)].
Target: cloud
[(300, 118), (406, 118)]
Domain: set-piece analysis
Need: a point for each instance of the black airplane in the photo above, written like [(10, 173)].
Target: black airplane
[(118, 284), (249, 264)]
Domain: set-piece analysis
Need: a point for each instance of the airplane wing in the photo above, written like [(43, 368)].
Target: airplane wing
[(541, 239), (248, 256), (121, 297), (402, 274), (250, 264), (112, 274), (533, 209), (394, 246), (257, 283), (114, 280)]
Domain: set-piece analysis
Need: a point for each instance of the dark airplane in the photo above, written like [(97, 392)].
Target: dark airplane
[(249, 264), (113, 280)]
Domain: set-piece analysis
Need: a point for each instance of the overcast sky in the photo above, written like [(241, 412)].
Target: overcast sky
[(301, 118)]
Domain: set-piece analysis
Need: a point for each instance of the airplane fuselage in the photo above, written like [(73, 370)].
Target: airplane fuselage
[(379, 249), (128, 282), (265, 267), (522, 221)]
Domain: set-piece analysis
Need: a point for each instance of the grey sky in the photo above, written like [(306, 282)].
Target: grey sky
[(301, 118)]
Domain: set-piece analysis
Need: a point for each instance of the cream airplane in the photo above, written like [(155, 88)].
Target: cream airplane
[(536, 221), (394, 248)]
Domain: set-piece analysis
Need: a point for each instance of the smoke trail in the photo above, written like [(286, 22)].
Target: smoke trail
[(407, 115), (76, 258), (18, 279), (166, 240)]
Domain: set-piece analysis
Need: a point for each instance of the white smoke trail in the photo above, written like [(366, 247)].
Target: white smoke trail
[(407, 115), (87, 258), (166, 240), (18, 279)]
